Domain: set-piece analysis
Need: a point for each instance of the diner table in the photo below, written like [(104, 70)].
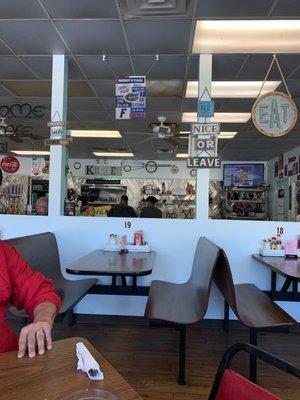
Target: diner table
[(53, 375), (289, 268), (131, 265)]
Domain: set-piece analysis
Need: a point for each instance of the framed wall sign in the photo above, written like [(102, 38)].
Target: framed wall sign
[(131, 97), (10, 165), (274, 114)]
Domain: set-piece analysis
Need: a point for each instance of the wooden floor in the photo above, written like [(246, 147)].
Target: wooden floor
[(147, 358)]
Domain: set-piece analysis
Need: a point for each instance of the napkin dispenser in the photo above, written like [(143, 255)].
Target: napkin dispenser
[(291, 249)]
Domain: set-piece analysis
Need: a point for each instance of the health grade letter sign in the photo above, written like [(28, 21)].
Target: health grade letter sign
[(131, 97)]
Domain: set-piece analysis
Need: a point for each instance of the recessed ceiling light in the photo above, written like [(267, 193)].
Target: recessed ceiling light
[(219, 117), (233, 89), (182, 155), (247, 36), (95, 134), (31, 152), (112, 154)]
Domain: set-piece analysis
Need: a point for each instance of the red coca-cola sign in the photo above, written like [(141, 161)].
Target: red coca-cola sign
[(10, 165)]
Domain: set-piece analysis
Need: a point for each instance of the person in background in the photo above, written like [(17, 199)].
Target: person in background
[(30, 290), (122, 209), (41, 206), (76, 197), (151, 211)]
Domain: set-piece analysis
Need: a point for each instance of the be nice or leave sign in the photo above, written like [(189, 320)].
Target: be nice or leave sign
[(207, 128), (203, 162), (204, 146)]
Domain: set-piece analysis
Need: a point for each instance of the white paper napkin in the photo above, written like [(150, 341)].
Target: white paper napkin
[(87, 363)]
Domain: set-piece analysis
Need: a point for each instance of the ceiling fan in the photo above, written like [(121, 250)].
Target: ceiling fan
[(17, 133), (167, 131)]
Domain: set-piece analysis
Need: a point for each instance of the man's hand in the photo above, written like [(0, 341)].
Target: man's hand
[(37, 336)]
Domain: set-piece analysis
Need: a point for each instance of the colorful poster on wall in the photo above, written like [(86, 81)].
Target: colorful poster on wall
[(131, 97), (40, 166)]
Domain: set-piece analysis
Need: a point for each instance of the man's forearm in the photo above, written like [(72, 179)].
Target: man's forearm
[(45, 312)]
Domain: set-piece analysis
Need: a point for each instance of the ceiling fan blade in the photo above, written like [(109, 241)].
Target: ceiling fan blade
[(15, 139), (146, 140), (172, 141), (33, 137)]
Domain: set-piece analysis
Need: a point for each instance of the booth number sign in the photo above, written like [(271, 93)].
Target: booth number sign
[(274, 114)]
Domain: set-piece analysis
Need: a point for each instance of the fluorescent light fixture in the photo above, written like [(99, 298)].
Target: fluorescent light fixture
[(112, 154), (31, 152), (222, 135), (184, 134), (219, 117), (233, 89), (227, 135), (247, 36), (182, 155), (95, 134)]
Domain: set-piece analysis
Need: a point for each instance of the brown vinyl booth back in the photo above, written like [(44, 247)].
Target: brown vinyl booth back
[(224, 281), (185, 303), (41, 253)]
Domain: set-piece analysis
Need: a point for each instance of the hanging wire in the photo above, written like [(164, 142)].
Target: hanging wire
[(105, 60), (153, 63), (275, 60)]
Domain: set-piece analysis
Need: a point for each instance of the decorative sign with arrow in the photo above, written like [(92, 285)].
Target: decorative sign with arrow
[(203, 148), (203, 140), (56, 126)]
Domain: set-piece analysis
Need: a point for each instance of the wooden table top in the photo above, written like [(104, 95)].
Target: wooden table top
[(290, 268), (101, 262), (54, 375)]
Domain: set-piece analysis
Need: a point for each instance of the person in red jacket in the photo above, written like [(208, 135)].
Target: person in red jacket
[(30, 290)]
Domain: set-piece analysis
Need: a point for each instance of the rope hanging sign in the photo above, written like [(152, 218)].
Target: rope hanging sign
[(274, 114)]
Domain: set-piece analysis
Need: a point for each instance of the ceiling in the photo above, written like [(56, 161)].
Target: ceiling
[(32, 30)]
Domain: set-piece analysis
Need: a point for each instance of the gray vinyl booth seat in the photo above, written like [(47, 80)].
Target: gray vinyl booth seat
[(186, 303), (41, 253)]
